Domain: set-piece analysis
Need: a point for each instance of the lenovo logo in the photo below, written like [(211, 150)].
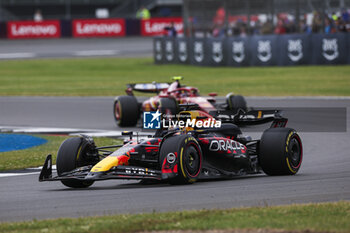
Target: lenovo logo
[(159, 27), (95, 28), (156, 26), (33, 30), (29, 29), (98, 28)]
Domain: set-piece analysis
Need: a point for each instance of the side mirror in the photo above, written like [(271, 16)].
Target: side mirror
[(126, 133), (213, 94)]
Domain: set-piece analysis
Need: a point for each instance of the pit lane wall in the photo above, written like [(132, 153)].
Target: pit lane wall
[(267, 50)]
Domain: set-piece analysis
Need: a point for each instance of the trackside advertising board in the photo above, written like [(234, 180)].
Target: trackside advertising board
[(155, 26), (256, 50), (98, 28), (31, 29)]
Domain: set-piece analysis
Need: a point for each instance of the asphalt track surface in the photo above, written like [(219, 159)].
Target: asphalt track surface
[(324, 175), (84, 47)]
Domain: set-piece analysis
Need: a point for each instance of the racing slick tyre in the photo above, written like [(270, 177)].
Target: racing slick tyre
[(70, 155), (168, 106), (281, 151), (184, 152), (126, 111), (236, 102)]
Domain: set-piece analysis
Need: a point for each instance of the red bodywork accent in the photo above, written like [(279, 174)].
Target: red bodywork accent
[(204, 140), (123, 160), (169, 168), (152, 146), (175, 169), (149, 149)]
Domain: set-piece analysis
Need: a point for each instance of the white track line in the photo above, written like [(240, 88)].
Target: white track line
[(10, 174), (96, 53), (69, 131), (17, 174), (16, 55), (39, 168), (48, 130), (18, 129)]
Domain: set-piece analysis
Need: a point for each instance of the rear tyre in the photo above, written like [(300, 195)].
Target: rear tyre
[(168, 106), (188, 158), (281, 151), (126, 111), (236, 102), (70, 155)]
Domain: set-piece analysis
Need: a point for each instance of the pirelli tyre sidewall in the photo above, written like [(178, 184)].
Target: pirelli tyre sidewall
[(189, 157), (280, 151), (126, 111), (69, 157)]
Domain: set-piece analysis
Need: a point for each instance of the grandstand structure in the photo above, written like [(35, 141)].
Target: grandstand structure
[(77, 9), (202, 16), (199, 18)]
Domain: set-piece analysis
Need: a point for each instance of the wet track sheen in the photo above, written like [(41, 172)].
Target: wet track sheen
[(324, 175)]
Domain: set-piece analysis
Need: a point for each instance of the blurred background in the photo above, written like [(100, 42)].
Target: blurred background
[(235, 17), (200, 17)]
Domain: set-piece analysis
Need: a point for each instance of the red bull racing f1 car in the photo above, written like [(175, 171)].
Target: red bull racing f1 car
[(127, 110), (182, 155)]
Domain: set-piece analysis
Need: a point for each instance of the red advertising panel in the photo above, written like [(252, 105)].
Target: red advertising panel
[(98, 27), (31, 29), (155, 26)]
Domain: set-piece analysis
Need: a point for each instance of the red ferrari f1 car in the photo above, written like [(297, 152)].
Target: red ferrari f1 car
[(127, 110), (182, 155)]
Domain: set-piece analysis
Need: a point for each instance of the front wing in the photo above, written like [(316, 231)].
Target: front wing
[(83, 173)]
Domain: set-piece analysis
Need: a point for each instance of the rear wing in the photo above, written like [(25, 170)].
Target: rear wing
[(146, 87), (252, 117)]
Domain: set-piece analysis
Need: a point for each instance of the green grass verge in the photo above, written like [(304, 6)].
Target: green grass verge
[(108, 76), (325, 217), (35, 156)]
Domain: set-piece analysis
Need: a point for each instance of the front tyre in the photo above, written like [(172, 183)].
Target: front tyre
[(188, 156), (236, 102), (126, 111), (281, 151), (71, 155)]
